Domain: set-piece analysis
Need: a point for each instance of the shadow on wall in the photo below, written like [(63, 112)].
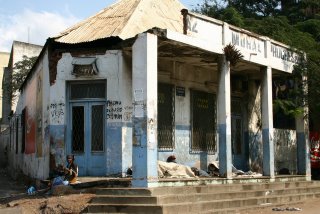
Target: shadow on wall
[(285, 150), (4, 148)]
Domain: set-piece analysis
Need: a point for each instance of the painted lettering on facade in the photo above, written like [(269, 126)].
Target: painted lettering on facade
[(284, 54), (114, 110), (247, 42), (57, 112)]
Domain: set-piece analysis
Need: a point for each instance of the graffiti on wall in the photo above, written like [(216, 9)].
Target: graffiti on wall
[(57, 112), (114, 110)]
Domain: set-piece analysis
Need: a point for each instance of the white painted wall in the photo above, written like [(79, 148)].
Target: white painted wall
[(116, 70), (189, 77), (213, 35), (31, 164), (285, 147), (4, 59)]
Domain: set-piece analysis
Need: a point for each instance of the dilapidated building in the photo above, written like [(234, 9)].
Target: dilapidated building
[(142, 80)]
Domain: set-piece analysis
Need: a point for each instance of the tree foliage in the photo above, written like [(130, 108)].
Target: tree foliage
[(255, 8), (21, 70), (296, 23)]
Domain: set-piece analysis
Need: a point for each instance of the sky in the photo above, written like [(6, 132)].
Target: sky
[(33, 21)]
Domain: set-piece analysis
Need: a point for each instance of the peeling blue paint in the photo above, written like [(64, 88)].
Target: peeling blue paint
[(114, 149), (144, 162), (57, 136), (255, 151), (303, 154), (268, 153)]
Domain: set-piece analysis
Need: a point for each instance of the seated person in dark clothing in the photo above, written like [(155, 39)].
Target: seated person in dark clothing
[(71, 171)]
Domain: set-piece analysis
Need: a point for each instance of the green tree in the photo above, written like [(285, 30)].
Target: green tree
[(255, 8), (19, 74), (296, 23), (232, 16), (210, 8), (311, 26)]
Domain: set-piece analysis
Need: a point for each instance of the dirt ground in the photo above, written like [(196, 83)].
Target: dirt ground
[(13, 199)]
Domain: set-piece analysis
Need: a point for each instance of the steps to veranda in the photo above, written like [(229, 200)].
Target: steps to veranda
[(211, 198)]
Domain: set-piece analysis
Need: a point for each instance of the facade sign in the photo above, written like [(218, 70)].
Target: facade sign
[(247, 42), (284, 54), (180, 91), (208, 31)]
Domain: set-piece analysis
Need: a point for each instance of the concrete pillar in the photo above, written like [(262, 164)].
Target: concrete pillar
[(144, 88), (303, 150), (267, 122), (224, 118)]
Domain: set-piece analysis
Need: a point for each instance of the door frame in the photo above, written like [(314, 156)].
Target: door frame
[(238, 160), (87, 103)]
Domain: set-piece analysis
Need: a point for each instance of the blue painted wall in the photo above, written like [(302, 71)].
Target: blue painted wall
[(255, 151), (57, 143), (114, 148)]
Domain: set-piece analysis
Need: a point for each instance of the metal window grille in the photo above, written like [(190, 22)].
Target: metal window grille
[(87, 90), (203, 112), (97, 128), (236, 126), (23, 127), (17, 134), (282, 90), (166, 119), (78, 129)]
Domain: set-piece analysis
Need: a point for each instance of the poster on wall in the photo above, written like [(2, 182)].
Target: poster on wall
[(39, 138), (31, 118)]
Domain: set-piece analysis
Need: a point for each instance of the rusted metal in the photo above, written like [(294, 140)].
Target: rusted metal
[(125, 19)]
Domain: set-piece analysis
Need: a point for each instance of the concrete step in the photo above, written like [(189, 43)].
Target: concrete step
[(234, 210), (123, 208), (232, 205), (219, 199), (205, 189), (180, 198), (217, 207), (125, 191), (113, 199)]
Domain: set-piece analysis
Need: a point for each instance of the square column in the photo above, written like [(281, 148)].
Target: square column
[(144, 119), (267, 122), (224, 118), (302, 132)]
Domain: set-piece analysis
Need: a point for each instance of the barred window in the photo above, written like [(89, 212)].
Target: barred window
[(283, 92), (23, 127), (203, 115), (166, 120), (236, 126)]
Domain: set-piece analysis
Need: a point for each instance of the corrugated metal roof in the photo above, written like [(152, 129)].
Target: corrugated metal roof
[(125, 19)]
